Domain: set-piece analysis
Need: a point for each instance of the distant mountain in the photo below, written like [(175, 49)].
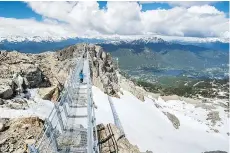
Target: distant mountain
[(156, 56), (155, 44), (37, 44), (28, 46), (217, 45)]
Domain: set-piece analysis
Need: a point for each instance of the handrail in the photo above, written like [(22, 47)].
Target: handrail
[(67, 84), (116, 118), (67, 95)]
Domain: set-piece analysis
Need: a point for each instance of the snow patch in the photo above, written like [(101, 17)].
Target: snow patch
[(146, 126), (37, 107)]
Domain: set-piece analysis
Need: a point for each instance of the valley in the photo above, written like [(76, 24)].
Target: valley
[(168, 68)]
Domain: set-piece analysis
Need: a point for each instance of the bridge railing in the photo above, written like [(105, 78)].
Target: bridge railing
[(54, 123), (116, 119), (92, 138)]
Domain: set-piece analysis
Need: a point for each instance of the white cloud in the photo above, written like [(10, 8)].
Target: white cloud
[(10, 27), (181, 3), (190, 3), (118, 18)]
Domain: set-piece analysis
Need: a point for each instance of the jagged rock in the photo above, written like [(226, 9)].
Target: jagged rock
[(2, 102), (6, 92), (15, 138), (6, 88), (111, 140), (20, 82), (103, 55), (102, 70), (56, 94), (47, 93), (175, 121), (25, 69), (50, 68), (50, 93), (2, 126), (33, 76), (132, 88), (214, 117), (99, 51), (18, 103), (2, 141)]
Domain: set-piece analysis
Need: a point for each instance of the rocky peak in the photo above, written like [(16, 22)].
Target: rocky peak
[(103, 73), (51, 68)]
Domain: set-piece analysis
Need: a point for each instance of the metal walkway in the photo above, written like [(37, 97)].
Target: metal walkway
[(71, 126)]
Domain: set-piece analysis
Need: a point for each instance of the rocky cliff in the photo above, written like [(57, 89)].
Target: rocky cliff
[(15, 134), (103, 73), (50, 69), (111, 140)]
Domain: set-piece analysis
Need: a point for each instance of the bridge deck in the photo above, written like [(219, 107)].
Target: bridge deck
[(74, 137), (71, 124)]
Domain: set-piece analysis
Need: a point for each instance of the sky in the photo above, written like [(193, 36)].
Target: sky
[(71, 19)]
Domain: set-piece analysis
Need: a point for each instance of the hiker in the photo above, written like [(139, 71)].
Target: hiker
[(81, 76)]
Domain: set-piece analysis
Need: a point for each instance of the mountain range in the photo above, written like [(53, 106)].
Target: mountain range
[(38, 44)]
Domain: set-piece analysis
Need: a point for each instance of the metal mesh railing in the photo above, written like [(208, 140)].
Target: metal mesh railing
[(71, 124)]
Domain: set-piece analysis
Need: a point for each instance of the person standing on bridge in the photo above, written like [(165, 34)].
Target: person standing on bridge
[(81, 76)]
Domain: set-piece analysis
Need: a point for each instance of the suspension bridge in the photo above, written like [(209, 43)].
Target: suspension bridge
[(71, 125)]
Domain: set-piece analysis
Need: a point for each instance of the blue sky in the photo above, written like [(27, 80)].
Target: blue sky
[(17, 10), (20, 10)]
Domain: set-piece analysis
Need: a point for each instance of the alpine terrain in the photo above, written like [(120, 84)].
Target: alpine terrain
[(158, 97)]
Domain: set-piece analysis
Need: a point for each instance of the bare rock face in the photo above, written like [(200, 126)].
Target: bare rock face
[(18, 133), (214, 117), (132, 88), (52, 68), (50, 93), (21, 69), (111, 140), (6, 88), (2, 126), (102, 70), (175, 121), (33, 75)]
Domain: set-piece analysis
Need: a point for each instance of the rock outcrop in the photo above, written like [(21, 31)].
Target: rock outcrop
[(52, 68), (111, 140), (175, 121), (6, 88), (103, 73), (17, 133), (51, 93), (132, 88)]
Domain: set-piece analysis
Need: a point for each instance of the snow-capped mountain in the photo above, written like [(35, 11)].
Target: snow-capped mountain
[(27, 44), (16, 39), (135, 41), (113, 38)]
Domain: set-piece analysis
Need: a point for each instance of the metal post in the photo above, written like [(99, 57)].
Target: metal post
[(59, 117), (89, 109), (65, 110), (32, 148), (116, 118), (52, 135)]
